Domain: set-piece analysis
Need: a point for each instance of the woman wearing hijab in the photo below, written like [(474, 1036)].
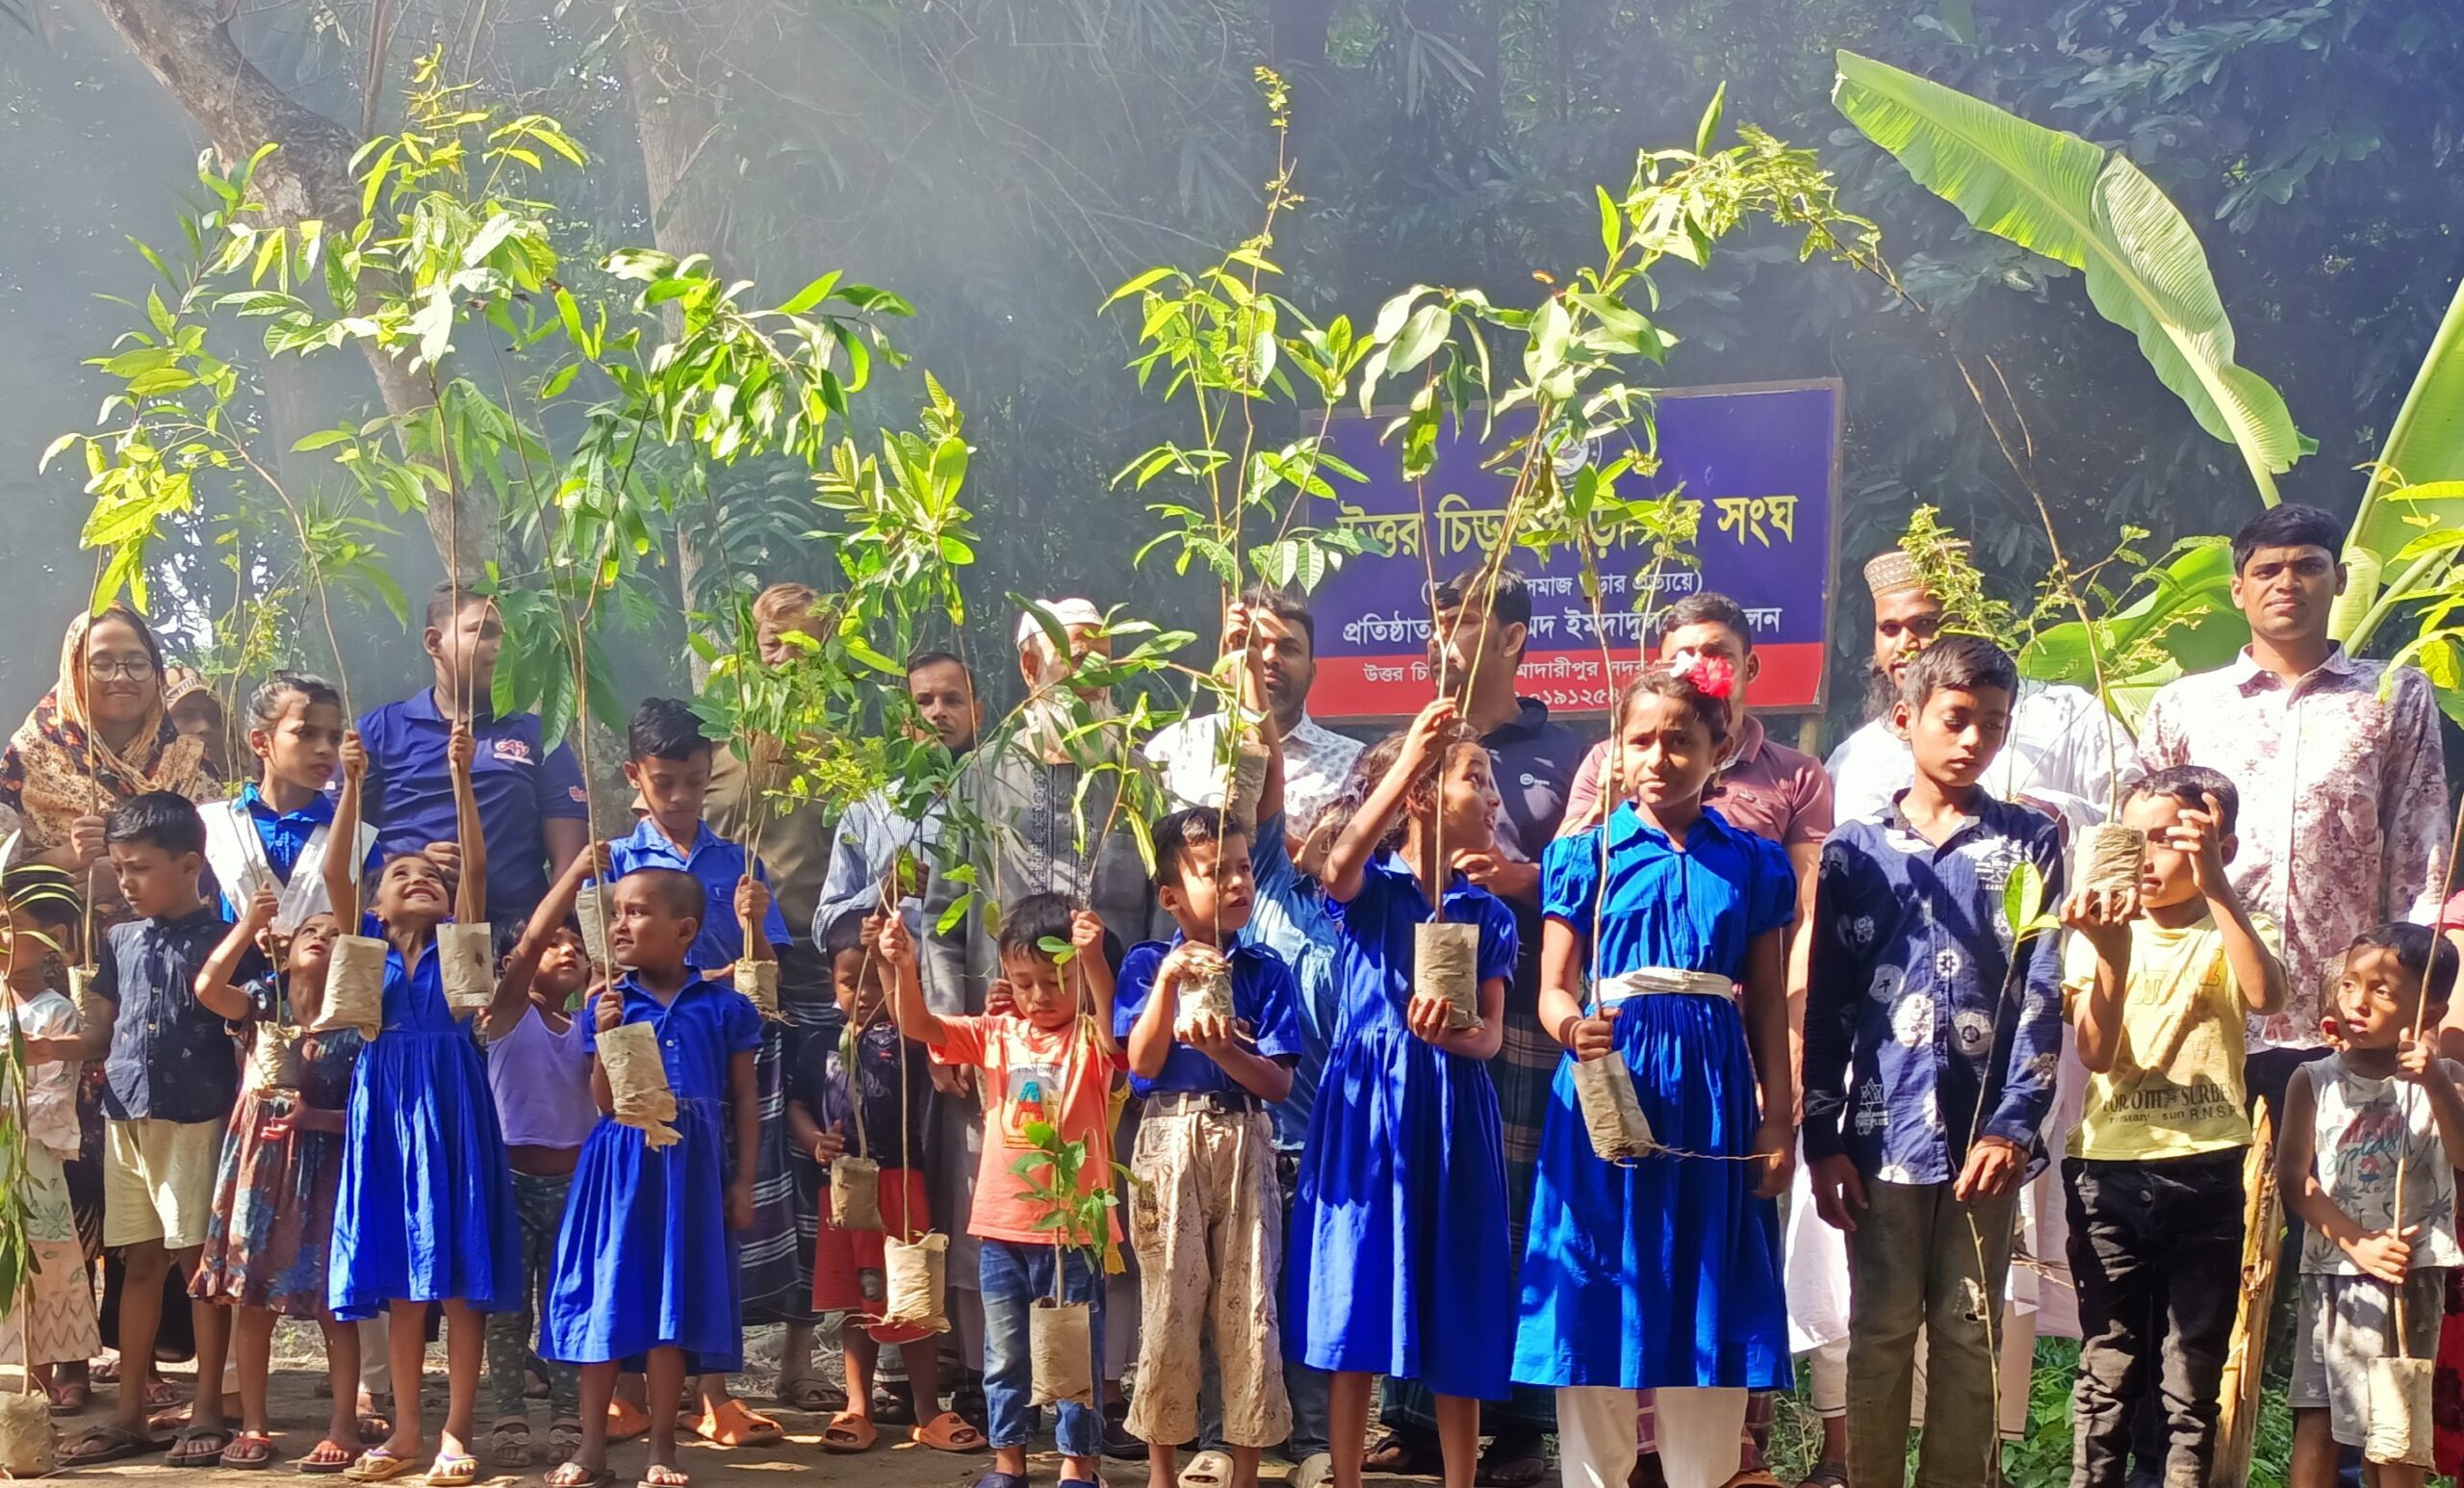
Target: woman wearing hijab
[(102, 735)]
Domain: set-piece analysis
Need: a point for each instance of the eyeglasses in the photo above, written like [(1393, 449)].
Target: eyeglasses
[(113, 669)]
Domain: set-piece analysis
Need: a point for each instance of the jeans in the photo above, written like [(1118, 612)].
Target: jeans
[(1913, 1262), (2156, 1252), (1014, 1276), (539, 1212)]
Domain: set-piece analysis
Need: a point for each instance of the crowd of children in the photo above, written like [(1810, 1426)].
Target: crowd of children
[(433, 1157)]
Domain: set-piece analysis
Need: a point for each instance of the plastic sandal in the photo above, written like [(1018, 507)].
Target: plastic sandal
[(510, 1443), (187, 1453), (848, 1434), (452, 1470), (949, 1431), (377, 1465), (249, 1451), (1207, 1470), (326, 1457), (735, 1423)]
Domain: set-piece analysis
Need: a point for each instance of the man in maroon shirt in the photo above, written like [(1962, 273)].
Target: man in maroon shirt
[(1763, 787)]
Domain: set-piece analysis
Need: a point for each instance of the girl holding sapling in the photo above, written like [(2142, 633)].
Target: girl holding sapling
[(1398, 1225), (424, 1214), (1662, 1270), (277, 830)]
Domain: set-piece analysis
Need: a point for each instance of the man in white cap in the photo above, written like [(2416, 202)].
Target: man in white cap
[(2067, 756)]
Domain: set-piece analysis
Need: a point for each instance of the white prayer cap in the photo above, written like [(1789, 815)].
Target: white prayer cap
[(1064, 613)]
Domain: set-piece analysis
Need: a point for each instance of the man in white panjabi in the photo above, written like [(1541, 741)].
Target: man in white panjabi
[(2067, 757)]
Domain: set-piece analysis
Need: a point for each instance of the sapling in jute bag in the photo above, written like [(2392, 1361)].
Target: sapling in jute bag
[(855, 1193), (758, 982), (463, 957), (914, 1274), (91, 1011), (1445, 960), (637, 1080), (29, 1447), (1059, 1352), (273, 1057), (2401, 1425), (590, 911), (354, 986), (1247, 787), (2110, 858), (1206, 992), (1611, 1111)]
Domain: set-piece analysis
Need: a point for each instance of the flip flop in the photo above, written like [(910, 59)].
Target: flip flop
[(1313, 1470), (573, 1475), (452, 1470), (949, 1431), (186, 1453), (676, 1477), (111, 1443), (1207, 1470), (848, 1434), (377, 1465), (248, 1451), (328, 1457), (735, 1424), (70, 1396)]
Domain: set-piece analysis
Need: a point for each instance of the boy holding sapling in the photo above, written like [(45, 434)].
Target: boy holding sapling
[(1930, 1059), (1047, 1072), (2373, 1136), (2159, 1001), (1211, 1023)]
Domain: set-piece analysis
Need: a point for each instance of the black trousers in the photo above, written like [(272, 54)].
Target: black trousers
[(2156, 1255)]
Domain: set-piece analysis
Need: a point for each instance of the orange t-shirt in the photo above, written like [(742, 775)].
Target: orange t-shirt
[(1030, 1074)]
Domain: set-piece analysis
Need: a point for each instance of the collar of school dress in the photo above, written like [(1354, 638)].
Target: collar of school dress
[(318, 809), (649, 840), (635, 995), (2249, 676), (1707, 824)]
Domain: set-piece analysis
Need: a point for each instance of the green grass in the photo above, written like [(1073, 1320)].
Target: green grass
[(2042, 1459)]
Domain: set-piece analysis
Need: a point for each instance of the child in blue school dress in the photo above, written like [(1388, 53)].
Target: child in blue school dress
[(1662, 1272), (423, 1212), (1398, 1224), (646, 1268)]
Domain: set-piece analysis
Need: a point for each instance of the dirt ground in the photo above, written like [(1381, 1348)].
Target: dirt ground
[(299, 1410)]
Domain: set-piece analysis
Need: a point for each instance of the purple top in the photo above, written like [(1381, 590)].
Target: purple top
[(541, 1083)]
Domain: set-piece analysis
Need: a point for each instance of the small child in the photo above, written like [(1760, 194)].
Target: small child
[(668, 764), (1049, 1059), (2154, 1171), (2381, 1104), (172, 1077), (868, 1093), (1663, 1273), (1398, 1224), (645, 1265), (43, 915), (1205, 1211), (1929, 1068), (424, 1212), (274, 1201), (276, 831), (539, 1065)]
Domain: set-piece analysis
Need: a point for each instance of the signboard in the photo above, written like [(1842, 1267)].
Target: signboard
[(1761, 462)]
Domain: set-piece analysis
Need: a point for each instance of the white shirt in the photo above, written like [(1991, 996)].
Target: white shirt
[(1316, 759), (2056, 752)]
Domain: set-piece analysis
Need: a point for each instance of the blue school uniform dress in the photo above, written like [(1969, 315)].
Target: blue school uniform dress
[(1398, 1224), (1662, 1272), (426, 1208), (645, 1260)]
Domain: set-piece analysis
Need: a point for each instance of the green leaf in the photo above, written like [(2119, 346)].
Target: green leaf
[(811, 295), (1708, 129), (1421, 337), (2022, 899), (2059, 195), (2424, 445)]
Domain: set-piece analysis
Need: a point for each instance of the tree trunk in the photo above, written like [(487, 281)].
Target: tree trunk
[(187, 47)]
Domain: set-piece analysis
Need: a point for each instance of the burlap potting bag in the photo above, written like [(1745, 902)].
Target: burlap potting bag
[(354, 986), (637, 1080), (1445, 960), (465, 964)]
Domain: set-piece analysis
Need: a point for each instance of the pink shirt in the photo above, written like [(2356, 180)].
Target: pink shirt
[(1060, 1076), (1769, 789), (2343, 805)]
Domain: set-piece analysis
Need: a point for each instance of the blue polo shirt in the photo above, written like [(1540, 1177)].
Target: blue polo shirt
[(719, 864), (284, 834), (408, 796), (1264, 996)]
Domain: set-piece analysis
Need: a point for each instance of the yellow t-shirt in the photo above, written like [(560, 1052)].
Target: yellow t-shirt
[(2176, 1086)]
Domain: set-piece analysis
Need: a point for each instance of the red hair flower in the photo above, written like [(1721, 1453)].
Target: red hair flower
[(1714, 677)]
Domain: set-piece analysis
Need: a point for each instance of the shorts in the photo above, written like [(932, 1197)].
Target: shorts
[(157, 1181), (2344, 1323), (847, 1264)]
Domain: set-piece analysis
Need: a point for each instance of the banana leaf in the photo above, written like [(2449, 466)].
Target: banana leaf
[(2425, 447), (2177, 618), (2058, 194)]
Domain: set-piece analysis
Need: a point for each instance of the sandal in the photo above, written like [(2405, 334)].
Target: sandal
[(626, 1420), (108, 1443), (160, 1395), (70, 1396), (377, 1465), (809, 1395), (949, 1431), (199, 1446), (848, 1433), (1312, 1471), (564, 1439), (894, 1405), (1400, 1455), (661, 1475), (1512, 1463), (452, 1470), (1207, 1470), (248, 1451), (327, 1456), (573, 1475), (1824, 1474), (510, 1443), (733, 1424)]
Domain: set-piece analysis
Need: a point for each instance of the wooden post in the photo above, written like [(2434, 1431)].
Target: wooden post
[(2245, 1360)]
